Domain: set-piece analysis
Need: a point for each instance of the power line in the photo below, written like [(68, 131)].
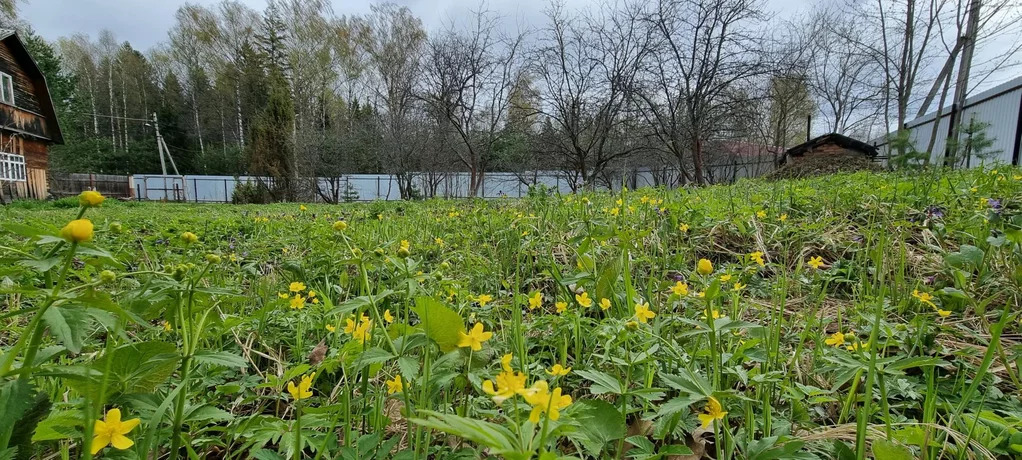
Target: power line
[(116, 117)]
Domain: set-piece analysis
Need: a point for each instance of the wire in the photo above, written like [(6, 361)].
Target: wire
[(113, 116)]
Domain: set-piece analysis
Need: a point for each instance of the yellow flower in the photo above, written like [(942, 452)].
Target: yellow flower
[(704, 267), (474, 338), (783, 217), (166, 326), (558, 370), (189, 237), (543, 400), (680, 288), (761, 214), (484, 299), (924, 297), (815, 262), (858, 346), (90, 199), (683, 228), (738, 287), (725, 278), (714, 411), (715, 313), (395, 385), (604, 303), (77, 231), (312, 294), (561, 306), (584, 300), (508, 383), (302, 207), (331, 327), (304, 388), (943, 313), (701, 294), (340, 225), (836, 339), (296, 286), (642, 312), (505, 361), (535, 300), (282, 295), (111, 431), (439, 242), (361, 333), (758, 258), (387, 317), (615, 210), (297, 302)]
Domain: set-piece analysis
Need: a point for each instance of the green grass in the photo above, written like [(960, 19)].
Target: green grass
[(903, 343)]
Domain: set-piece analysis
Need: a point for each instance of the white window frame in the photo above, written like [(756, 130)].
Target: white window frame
[(12, 167), (6, 88)]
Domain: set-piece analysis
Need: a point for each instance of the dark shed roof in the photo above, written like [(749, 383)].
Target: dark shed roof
[(832, 138)]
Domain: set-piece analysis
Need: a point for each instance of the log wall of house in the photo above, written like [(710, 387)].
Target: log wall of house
[(25, 91)]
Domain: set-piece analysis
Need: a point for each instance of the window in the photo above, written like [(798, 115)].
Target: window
[(6, 89), (12, 167)]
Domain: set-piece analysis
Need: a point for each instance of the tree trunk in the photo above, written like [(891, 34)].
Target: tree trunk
[(962, 85)]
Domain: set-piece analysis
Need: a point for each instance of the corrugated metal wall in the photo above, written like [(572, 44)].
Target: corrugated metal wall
[(999, 107)]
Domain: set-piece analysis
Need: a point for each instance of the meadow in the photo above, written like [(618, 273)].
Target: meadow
[(850, 316)]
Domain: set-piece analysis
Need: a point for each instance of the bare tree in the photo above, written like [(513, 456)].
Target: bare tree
[(707, 51), (468, 80), (588, 68)]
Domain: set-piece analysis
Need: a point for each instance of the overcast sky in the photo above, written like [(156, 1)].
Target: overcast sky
[(145, 23)]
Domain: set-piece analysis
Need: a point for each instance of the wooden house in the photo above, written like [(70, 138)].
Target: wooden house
[(28, 122)]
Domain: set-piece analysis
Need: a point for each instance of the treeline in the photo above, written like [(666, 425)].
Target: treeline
[(678, 87)]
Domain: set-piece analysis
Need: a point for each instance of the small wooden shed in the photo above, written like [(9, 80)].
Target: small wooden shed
[(28, 122), (835, 146)]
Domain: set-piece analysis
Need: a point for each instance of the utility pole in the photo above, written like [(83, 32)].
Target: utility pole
[(162, 147)]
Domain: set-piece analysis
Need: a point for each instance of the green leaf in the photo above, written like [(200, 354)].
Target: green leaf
[(602, 382), (491, 435), (68, 325), (58, 425), (890, 450), (375, 355), (600, 422), (141, 367), (220, 358), (967, 257), (689, 382), (15, 398), (441, 324), (21, 436)]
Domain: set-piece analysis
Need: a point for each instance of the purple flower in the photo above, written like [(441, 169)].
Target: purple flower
[(994, 204), (935, 212), (857, 238), (929, 280), (676, 276)]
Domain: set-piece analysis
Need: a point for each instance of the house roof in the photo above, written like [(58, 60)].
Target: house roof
[(10, 37), (832, 138)]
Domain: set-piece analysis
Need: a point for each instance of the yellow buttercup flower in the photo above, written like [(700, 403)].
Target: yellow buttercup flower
[(783, 217), (535, 300), (858, 346), (761, 214), (604, 303), (362, 332), (815, 262), (474, 338), (758, 258), (543, 401), (836, 339), (166, 326), (395, 385), (558, 370), (713, 411), (642, 312), (439, 242), (943, 313), (189, 237), (738, 287), (683, 228), (90, 199), (331, 327), (282, 295), (77, 231), (924, 297), (561, 306), (296, 286), (387, 317), (725, 277), (304, 388), (680, 288), (704, 267), (484, 299), (583, 299), (111, 431), (714, 313), (508, 384), (505, 361), (297, 302), (340, 225)]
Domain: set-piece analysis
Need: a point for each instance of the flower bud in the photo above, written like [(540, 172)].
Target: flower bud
[(340, 226), (90, 199), (77, 231), (189, 237), (107, 276), (213, 258), (116, 227)]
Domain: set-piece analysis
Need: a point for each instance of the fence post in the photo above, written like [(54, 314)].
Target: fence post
[(227, 199), (195, 191)]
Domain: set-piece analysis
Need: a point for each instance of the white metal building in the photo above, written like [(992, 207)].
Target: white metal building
[(1000, 107)]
